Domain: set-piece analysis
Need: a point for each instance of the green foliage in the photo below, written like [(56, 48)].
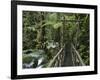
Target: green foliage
[(52, 17), (49, 31), (57, 25)]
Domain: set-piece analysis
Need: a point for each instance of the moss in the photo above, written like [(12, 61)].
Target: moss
[(27, 59)]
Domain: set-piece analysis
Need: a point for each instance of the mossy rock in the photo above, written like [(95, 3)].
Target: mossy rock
[(27, 59)]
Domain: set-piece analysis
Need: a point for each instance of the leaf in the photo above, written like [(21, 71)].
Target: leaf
[(52, 17), (47, 23), (57, 25)]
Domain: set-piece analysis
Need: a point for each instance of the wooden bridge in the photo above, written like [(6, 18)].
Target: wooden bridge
[(66, 58), (68, 54)]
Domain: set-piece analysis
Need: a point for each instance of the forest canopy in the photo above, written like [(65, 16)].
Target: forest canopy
[(54, 39)]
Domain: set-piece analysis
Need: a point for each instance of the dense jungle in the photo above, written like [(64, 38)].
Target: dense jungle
[(55, 39)]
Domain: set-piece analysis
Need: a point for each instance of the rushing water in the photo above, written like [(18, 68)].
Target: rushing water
[(35, 59)]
